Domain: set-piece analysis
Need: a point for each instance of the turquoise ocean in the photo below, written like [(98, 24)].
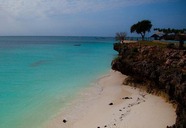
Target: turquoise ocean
[(40, 75)]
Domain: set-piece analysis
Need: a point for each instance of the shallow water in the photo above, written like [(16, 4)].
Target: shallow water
[(40, 75)]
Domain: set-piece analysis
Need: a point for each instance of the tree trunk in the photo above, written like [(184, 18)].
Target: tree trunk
[(181, 43), (142, 36)]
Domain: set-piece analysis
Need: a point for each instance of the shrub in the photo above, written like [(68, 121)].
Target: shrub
[(170, 45)]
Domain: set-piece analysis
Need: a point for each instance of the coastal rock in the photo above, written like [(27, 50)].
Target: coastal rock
[(164, 68)]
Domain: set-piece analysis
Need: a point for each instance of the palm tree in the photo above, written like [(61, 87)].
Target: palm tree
[(141, 28), (120, 36)]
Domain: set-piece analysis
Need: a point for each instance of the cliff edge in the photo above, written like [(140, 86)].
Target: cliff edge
[(163, 68)]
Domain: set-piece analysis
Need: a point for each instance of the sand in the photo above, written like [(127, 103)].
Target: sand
[(114, 105)]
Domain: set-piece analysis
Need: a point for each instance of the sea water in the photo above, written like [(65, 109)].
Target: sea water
[(40, 75)]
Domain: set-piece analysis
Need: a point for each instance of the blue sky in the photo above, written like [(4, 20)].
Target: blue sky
[(87, 17)]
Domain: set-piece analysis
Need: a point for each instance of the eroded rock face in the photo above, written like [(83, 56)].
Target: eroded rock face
[(165, 68)]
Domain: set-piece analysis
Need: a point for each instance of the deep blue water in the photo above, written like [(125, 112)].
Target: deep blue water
[(39, 75)]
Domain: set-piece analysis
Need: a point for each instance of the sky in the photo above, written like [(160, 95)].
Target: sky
[(87, 17)]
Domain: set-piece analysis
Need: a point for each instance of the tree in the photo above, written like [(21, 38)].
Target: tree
[(120, 36), (178, 35), (141, 28), (181, 38)]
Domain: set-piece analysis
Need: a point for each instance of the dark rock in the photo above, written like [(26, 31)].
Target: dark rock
[(127, 98), (64, 121), (111, 104)]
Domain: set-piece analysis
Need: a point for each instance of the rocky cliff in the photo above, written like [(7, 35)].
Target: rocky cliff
[(165, 69)]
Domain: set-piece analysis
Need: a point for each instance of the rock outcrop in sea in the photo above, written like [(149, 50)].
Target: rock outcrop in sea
[(162, 69)]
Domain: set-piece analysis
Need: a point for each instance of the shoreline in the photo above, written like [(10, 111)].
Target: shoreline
[(111, 104)]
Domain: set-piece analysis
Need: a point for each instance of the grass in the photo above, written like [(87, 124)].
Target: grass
[(157, 43), (152, 43)]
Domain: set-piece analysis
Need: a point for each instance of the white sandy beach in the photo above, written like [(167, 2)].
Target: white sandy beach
[(114, 105)]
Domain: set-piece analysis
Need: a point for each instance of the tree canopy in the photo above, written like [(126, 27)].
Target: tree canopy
[(141, 27), (169, 30)]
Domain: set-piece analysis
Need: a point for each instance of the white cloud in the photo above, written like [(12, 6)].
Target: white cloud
[(30, 17), (27, 9)]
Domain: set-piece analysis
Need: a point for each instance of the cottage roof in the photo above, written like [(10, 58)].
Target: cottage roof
[(155, 35)]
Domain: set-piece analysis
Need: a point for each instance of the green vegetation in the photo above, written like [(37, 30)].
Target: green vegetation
[(174, 34), (151, 43), (141, 28), (160, 44), (169, 30), (116, 58)]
